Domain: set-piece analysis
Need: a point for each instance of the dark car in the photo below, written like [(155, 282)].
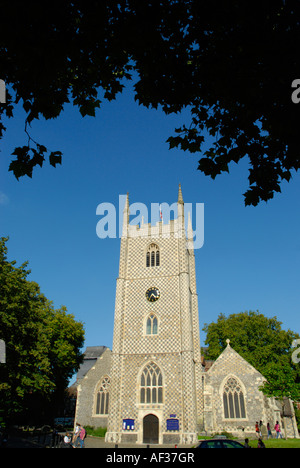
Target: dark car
[(219, 443)]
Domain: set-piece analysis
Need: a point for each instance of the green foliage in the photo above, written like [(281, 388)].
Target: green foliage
[(232, 64), (42, 343), (281, 381), (228, 435), (264, 344), (297, 415)]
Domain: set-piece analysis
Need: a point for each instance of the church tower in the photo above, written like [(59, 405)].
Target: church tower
[(156, 376)]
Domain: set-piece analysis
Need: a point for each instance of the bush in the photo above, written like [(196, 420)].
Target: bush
[(224, 433), (96, 432)]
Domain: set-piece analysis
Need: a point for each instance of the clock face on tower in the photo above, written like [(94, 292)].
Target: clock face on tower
[(152, 294)]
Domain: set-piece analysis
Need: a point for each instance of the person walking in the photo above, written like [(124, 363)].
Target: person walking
[(257, 429), (76, 434), (81, 437), (278, 430), (260, 428), (269, 431)]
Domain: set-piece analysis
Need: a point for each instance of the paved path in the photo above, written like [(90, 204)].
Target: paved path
[(90, 442), (97, 442)]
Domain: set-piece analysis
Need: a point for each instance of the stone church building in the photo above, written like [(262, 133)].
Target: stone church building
[(154, 387)]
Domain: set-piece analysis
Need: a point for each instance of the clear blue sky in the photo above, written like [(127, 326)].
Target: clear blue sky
[(250, 258)]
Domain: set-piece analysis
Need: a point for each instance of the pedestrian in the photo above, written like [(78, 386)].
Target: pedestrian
[(67, 440), (260, 444), (246, 444), (260, 426), (55, 438), (257, 429), (76, 434), (278, 430), (81, 437), (269, 430)]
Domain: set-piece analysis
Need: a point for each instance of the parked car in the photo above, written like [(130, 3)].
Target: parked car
[(220, 443)]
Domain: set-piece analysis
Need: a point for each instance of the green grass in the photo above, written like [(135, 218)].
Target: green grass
[(277, 443), (96, 432), (269, 443)]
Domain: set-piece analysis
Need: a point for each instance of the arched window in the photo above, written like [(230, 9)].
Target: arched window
[(153, 256), (151, 384), (151, 325), (233, 400), (102, 396)]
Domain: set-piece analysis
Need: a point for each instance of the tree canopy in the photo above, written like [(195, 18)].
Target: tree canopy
[(42, 343), (231, 63)]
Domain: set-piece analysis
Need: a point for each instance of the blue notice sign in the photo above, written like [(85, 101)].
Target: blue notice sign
[(128, 424), (172, 424)]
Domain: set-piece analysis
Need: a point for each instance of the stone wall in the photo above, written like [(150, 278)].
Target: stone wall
[(257, 407), (230, 364), (86, 392)]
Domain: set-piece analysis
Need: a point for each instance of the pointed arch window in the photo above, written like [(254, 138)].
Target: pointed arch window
[(233, 400), (153, 256), (151, 325), (151, 384), (102, 396)]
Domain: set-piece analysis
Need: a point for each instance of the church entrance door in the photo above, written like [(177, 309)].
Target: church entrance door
[(150, 429)]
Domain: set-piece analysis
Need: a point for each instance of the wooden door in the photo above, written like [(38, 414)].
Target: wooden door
[(150, 429)]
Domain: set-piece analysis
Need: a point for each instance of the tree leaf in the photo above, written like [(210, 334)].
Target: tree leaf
[(55, 158)]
